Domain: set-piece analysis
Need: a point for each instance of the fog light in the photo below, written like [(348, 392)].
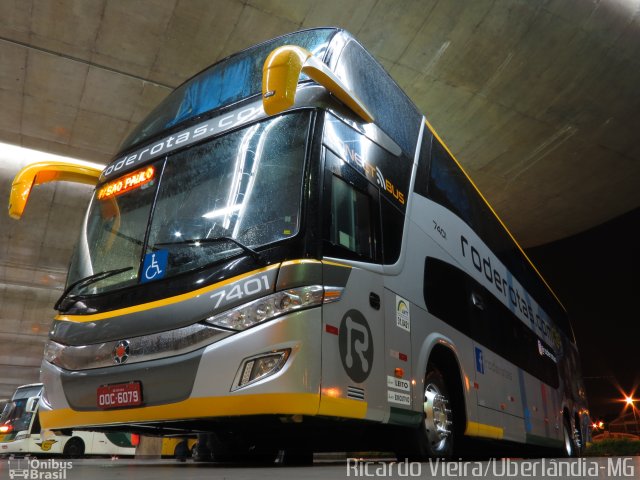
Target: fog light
[(259, 367)]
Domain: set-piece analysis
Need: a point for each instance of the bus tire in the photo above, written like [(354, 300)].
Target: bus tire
[(181, 452), (236, 449), (570, 449), (74, 448), (435, 436), (578, 437)]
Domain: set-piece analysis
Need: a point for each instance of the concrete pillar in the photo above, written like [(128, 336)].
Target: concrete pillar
[(149, 447)]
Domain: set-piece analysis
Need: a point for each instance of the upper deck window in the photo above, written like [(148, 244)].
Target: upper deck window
[(229, 81), (449, 187), (393, 110)]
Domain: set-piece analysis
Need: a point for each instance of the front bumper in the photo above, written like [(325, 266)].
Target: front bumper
[(14, 446), (197, 386)]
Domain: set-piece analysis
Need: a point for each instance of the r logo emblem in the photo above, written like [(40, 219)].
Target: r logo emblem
[(356, 346)]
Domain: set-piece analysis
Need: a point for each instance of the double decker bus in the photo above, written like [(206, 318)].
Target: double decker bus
[(285, 254)]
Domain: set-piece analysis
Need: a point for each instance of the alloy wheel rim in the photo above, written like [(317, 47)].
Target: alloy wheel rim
[(438, 418)]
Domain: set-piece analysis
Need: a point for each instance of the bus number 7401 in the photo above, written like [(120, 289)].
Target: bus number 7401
[(241, 290)]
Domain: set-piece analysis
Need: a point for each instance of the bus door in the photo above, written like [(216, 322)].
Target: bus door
[(353, 366)]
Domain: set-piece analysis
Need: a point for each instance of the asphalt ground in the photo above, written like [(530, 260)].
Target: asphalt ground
[(134, 469)]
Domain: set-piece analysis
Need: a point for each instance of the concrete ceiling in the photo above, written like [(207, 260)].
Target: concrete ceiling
[(538, 100)]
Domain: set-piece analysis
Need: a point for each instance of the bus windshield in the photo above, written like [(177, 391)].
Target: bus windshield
[(240, 189), (233, 79), (15, 414)]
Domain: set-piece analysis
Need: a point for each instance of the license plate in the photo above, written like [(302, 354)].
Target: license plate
[(120, 395)]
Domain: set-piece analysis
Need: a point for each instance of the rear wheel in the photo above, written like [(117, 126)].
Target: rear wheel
[(74, 448), (578, 439), (570, 449)]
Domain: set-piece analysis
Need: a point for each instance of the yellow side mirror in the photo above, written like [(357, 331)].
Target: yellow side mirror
[(281, 73), (43, 172)]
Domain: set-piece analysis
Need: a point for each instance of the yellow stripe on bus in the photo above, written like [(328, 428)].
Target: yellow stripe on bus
[(335, 264), (342, 407), (192, 408), (159, 303), (179, 298), (301, 262), (494, 213), (209, 407), (475, 429)]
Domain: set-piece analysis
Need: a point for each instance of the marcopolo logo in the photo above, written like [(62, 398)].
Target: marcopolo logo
[(36, 469)]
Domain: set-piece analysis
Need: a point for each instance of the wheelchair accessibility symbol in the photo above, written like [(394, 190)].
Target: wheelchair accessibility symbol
[(155, 265)]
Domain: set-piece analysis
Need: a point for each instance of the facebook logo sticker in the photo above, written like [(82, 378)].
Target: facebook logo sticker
[(479, 361)]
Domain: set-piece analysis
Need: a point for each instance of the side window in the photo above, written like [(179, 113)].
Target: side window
[(35, 427), (457, 299), (351, 218), (446, 293), (449, 187), (394, 111), (351, 221)]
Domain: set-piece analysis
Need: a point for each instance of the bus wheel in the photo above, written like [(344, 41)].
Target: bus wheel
[(438, 417), (235, 449), (181, 452), (569, 443), (74, 448), (433, 438)]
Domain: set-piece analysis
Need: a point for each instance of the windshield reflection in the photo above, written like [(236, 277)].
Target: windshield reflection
[(244, 186), (229, 81)]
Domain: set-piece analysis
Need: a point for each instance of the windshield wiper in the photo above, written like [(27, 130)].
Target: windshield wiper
[(198, 241), (88, 281)]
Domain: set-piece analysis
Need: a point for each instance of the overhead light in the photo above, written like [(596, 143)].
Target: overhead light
[(22, 156)]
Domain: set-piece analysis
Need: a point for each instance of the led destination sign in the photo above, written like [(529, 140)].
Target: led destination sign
[(126, 183)]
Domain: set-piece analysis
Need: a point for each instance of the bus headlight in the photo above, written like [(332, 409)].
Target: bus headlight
[(52, 351), (275, 305)]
